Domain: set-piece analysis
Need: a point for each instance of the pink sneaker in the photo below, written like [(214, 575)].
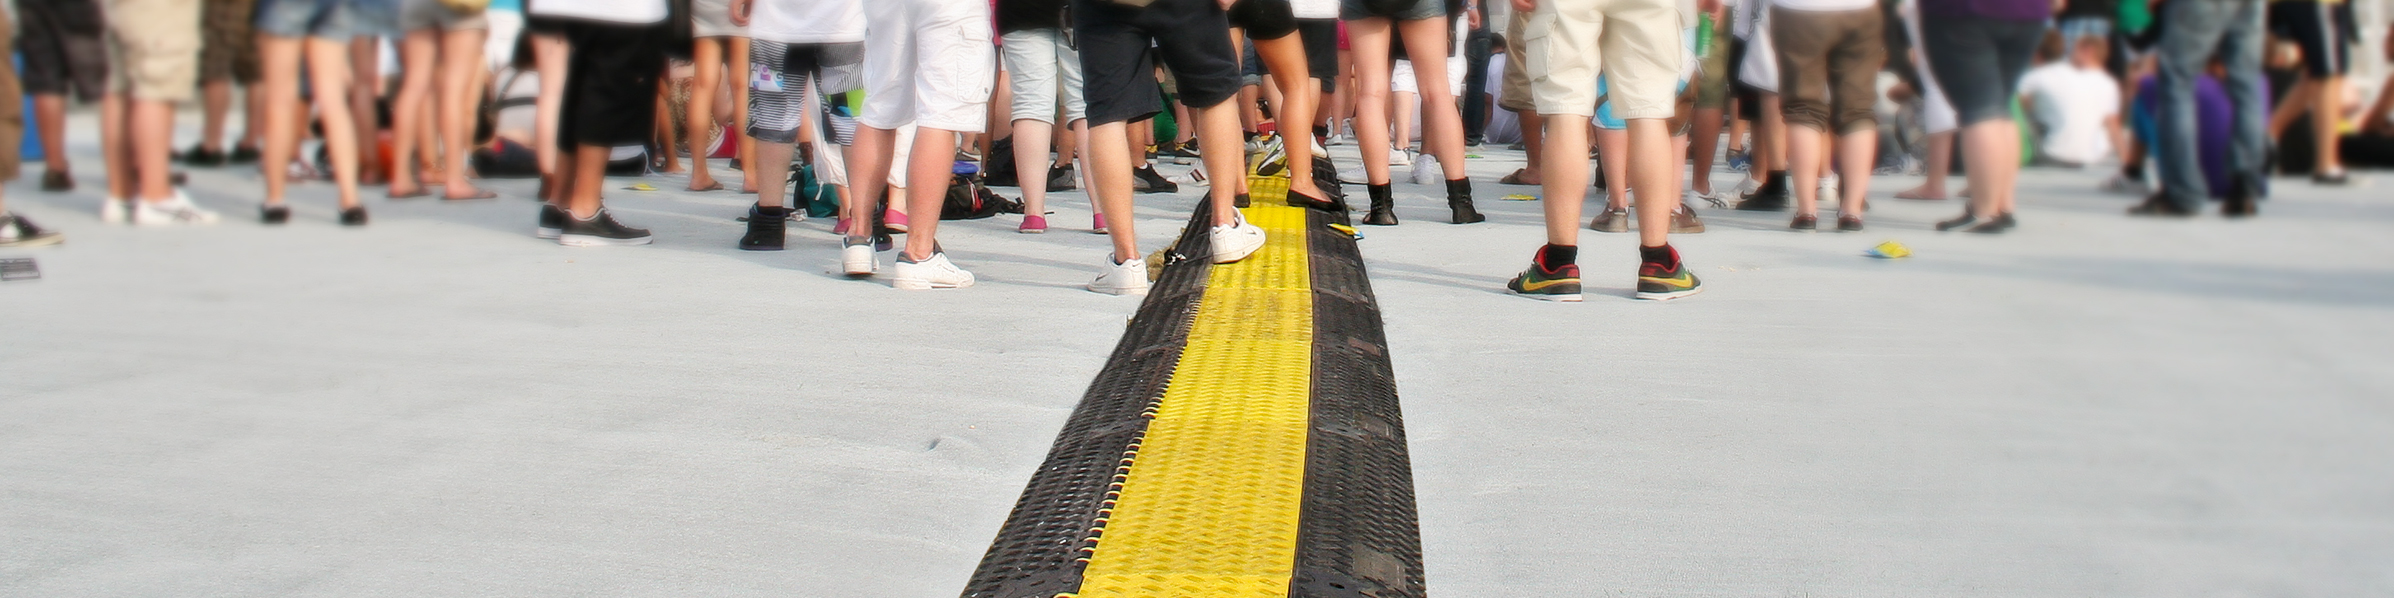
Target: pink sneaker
[(1100, 226), (1032, 225), (895, 220)]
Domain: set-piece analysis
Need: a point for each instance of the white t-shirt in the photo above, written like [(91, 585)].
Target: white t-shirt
[(1315, 9), (630, 12), (1825, 4), (2071, 104), (808, 21)]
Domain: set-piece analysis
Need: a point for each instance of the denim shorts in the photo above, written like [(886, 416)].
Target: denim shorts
[(328, 19), (1401, 10)]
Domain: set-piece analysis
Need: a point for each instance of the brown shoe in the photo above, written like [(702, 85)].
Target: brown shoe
[(1685, 222), (1611, 220), (56, 181)]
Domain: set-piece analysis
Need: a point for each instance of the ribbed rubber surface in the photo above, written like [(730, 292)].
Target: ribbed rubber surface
[(1243, 440)]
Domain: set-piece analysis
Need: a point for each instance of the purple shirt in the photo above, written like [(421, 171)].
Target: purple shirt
[(2009, 10)]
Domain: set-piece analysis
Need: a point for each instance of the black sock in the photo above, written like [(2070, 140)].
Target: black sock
[(1659, 255), (1554, 257)]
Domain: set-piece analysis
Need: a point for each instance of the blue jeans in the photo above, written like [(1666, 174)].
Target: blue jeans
[(2193, 29)]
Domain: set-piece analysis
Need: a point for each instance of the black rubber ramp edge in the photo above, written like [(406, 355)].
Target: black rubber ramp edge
[(1359, 534)]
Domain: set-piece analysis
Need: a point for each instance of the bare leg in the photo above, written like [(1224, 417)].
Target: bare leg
[(590, 174), (1651, 170), (1940, 163), (279, 59), (1613, 156), (932, 162), (419, 54), (1707, 140), (1442, 119), (663, 135), (1294, 107), (2327, 126), (152, 129), (1992, 150), (1400, 119), (1110, 185), (253, 118), (49, 114), (216, 99), (1533, 142), (868, 178), (328, 67), (461, 70), (1368, 39), (365, 67), (737, 59), (698, 125), (549, 52), (1804, 161), (1566, 174), (116, 144), (1031, 138), (1855, 151)]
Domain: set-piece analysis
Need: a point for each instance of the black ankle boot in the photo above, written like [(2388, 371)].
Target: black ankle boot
[(766, 227), (1383, 206), (1458, 198)]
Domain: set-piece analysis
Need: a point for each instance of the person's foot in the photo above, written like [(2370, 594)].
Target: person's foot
[(1032, 225), (1537, 282), (1764, 200), (1804, 223), (893, 220), (1662, 282), (1235, 241), (600, 230), (1965, 220), (856, 257), (1177, 152), (2121, 184), (1922, 192), (2006, 221), (1849, 224), (2240, 203), (1990, 227), (1737, 160), (115, 211), (1383, 212), (274, 213), (1310, 201), (1746, 188), (1521, 176), (353, 216), (1400, 157), (2160, 206), (1125, 278), (934, 273), (243, 154), (766, 228), (16, 231), (204, 156), (1684, 220), (552, 222), (2334, 178), (1611, 220), (57, 181), (1273, 160), (177, 210), (1145, 179), (1061, 178), (473, 194)]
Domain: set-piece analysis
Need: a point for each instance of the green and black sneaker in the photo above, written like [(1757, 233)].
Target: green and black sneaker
[(1561, 284), (1658, 282)]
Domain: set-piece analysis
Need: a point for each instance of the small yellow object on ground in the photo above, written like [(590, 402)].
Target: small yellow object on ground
[(641, 187), (1889, 250), (1519, 197)]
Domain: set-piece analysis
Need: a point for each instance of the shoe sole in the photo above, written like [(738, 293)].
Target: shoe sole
[(548, 233), (1557, 298), (34, 241), (589, 241), (1118, 292), (1649, 296), (924, 285)]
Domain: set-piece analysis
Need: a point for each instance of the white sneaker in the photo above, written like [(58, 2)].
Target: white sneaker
[(1126, 278), (1400, 157), (1427, 172), (115, 211), (2122, 185), (179, 210), (1235, 241), (1354, 176), (934, 273), (857, 260), (1746, 188)]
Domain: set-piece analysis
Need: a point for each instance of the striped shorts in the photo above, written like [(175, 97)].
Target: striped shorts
[(780, 77)]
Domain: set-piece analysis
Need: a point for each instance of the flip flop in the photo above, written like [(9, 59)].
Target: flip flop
[(716, 186), (1515, 178), (478, 194), (419, 192), (1908, 194)]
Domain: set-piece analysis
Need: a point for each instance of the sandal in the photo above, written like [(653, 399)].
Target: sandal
[(1516, 178)]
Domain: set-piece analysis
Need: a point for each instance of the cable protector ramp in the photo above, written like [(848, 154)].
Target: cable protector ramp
[(1244, 439)]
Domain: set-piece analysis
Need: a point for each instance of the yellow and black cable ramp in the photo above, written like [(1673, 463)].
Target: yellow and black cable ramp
[(1244, 439)]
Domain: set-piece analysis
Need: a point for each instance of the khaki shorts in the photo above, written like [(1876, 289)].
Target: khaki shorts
[(1635, 43), (1513, 94), (154, 56)]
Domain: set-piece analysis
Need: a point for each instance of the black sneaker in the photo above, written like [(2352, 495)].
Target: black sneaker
[(1766, 200), (242, 154), (1804, 223), (600, 229), (274, 214), (1963, 221), (766, 228), (552, 222), (56, 181), (16, 231), (1849, 224), (1562, 284), (353, 216), (1658, 283), (1145, 179), (1060, 179), (1242, 201), (204, 156)]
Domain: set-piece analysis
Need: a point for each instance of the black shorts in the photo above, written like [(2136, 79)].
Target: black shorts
[(1321, 49), (611, 84), (1749, 99), (62, 48), (1190, 37), (2323, 30), (1264, 19)]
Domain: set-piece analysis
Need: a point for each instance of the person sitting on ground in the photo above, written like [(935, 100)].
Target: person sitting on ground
[(2076, 107)]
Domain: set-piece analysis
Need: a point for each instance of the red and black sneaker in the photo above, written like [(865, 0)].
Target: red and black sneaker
[(1658, 281), (1559, 284)]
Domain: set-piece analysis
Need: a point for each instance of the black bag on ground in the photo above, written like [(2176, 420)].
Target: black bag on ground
[(997, 167), (968, 200)]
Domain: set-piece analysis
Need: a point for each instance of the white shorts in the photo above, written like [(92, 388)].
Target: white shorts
[(928, 63), (1402, 79), (1043, 68), (1761, 68)]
